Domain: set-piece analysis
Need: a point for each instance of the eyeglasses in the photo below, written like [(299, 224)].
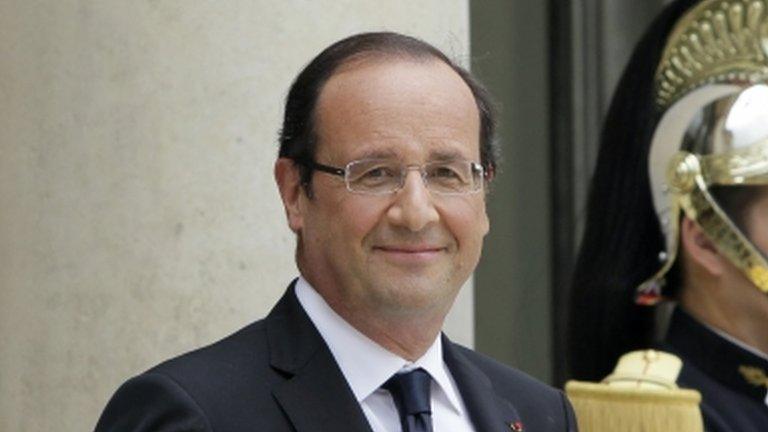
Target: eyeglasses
[(383, 176)]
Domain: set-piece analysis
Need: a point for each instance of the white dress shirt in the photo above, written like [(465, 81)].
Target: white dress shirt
[(367, 365)]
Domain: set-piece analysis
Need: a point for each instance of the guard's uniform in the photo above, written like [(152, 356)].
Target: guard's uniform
[(732, 380)]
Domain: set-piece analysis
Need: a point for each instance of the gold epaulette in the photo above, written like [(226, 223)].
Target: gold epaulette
[(639, 396)]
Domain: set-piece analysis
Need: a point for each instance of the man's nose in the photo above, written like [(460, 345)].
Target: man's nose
[(413, 207)]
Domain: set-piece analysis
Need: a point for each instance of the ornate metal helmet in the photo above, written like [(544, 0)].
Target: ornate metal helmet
[(712, 90)]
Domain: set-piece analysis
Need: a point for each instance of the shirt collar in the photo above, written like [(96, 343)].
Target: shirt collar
[(736, 342), (365, 364)]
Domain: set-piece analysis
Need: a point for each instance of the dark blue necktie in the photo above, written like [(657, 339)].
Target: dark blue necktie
[(410, 392)]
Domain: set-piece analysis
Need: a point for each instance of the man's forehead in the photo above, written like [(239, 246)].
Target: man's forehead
[(386, 106), (395, 75)]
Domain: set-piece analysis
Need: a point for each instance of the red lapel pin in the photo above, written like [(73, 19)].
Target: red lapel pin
[(516, 426)]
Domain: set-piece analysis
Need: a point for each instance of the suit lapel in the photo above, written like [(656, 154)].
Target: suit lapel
[(315, 395), (488, 411)]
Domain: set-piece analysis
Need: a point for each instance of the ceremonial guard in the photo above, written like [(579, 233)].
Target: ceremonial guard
[(678, 211)]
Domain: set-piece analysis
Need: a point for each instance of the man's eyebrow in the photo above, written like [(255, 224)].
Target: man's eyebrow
[(445, 155), (434, 155), (378, 154)]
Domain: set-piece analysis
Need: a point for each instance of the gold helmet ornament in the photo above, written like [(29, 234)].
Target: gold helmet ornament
[(712, 89)]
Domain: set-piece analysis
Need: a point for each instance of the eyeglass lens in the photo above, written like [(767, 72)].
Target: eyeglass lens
[(384, 176)]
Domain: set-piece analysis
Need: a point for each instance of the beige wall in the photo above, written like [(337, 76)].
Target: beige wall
[(138, 216)]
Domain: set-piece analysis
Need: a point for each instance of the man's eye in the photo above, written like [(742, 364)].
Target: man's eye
[(379, 172), (445, 173)]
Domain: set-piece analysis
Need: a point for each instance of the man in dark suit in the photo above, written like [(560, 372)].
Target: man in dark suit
[(385, 153)]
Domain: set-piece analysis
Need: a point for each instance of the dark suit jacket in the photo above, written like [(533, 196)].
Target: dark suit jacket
[(714, 366), (278, 374)]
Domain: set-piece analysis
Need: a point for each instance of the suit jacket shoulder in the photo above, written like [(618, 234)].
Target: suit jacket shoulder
[(222, 384), (535, 405), (276, 374)]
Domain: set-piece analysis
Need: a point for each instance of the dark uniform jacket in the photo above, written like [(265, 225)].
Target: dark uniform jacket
[(278, 375), (733, 381)]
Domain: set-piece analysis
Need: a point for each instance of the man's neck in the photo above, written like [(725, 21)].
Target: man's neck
[(745, 326), (408, 335)]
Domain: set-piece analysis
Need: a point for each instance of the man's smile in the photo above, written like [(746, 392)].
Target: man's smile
[(411, 254)]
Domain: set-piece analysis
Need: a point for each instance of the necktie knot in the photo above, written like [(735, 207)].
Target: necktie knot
[(411, 393)]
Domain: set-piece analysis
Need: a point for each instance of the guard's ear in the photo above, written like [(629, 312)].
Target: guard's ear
[(701, 249), (288, 181)]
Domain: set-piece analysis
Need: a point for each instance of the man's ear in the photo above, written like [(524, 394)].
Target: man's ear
[(288, 181), (700, 248)]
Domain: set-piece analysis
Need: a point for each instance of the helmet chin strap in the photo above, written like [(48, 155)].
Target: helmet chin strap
[(689, 189), (700, 206)]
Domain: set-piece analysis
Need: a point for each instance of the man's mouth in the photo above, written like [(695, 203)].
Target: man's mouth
[(410, 253)]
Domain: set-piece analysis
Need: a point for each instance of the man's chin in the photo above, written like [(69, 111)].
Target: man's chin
[(415, 295)]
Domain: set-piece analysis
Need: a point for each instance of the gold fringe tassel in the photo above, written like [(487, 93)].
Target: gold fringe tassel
[(604, 408)]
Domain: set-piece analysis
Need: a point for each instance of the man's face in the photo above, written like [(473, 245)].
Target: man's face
[(756, 219), (412, 250), (756, 225), (742, 298)]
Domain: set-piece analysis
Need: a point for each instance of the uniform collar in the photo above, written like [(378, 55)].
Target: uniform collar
[(365, 364), (719, 356)]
